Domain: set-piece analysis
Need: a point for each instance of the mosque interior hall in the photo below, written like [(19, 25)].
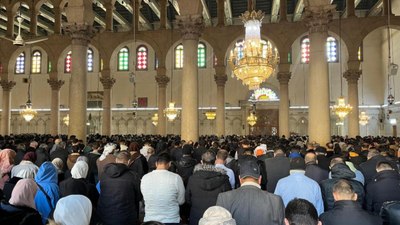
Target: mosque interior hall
[(200, 67)]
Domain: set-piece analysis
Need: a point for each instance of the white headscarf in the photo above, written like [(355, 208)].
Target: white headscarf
[(80, 170), (217, 215), (109, 148), (73, 210)]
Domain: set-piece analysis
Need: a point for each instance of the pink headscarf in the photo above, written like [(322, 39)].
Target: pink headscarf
[(24, 193), (6, 163)]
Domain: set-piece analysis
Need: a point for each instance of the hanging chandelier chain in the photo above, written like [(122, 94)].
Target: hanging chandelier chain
[(340, 54)]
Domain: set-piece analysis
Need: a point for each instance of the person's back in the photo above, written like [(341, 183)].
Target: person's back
[(119, 193), (368, 168), (163, 192), (276, 168), (60, 152), (313, 171)]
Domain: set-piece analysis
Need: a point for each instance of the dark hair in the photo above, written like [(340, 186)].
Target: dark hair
[(301, 212), (163, 158), (208, 157), (152, 223), (222, 154), (124, 156)]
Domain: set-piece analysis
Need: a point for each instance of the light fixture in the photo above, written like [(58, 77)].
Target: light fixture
[(28, 113), (393, 121), (363, 118), (66, 120), (171, 112), (341, 109), (249, 63), (210, 115), (252, 119), (392, 68), (390, 99), (154, 119)]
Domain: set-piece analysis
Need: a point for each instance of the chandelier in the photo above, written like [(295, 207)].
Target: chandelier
[(363, 118), (66, 120), (210, 115), (171, 112), (341, 109), (253, 64), (252, 119), (154, 119), (28, 113), (390, 99)]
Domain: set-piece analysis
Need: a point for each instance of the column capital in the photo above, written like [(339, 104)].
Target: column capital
[(162, 80), (352, 76), (80, 33), (55, 84), (317, 18), (107, 82), (191, 26), (220, 79), (284, 77), (7, 85)]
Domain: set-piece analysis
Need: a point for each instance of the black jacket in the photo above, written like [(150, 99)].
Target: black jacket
[(315, 172), (42, 155), (340, 171), (92, 173), (139, 164), (16, 215), (277, 168), (198, 152), (323, 161), (368, 168), (349, 212), (384, 187), (184, 167), (119, 196), (62, 154), (203, 188), (81, 186), (9, 187)]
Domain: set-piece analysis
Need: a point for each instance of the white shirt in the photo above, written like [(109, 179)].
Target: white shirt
[(163, 192)]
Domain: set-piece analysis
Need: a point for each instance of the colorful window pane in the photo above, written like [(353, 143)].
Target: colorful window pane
[(123, 59), (36, 62), (264, 94), (68, 63), (20, 64), (201, 55), (331, 49), (179, 57), (141, 58), (90, 60), (305, 50)]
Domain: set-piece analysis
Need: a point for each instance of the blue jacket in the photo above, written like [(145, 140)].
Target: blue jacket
[(47, 178)]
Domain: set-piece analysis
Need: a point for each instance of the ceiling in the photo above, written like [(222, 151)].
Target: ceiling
[(150, 12)]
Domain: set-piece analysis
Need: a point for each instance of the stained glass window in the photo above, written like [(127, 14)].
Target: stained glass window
[(90, 60), (264, 94), (179, 57), (36, 62), (20, 64), (201, 55), (123, 59), (331, 49), (68, 62), (305, 50), (141, 57)]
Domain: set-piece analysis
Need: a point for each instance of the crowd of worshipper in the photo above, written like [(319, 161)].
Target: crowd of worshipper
[(228, 180)]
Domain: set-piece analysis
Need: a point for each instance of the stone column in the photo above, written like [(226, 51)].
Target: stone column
[(55, 85), (81, 35), (57, 20), (284, 77), (10, 23), (221, 13), (283, 11), (6, 106), (109, 16), (350, 8), (191, 28), (33, 22), (108, 83), (352, 77), (317, 19), (163, 15), (162, 81), (220, 78)]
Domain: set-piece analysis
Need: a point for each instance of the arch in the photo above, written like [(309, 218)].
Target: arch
[(202, 55), (123, 59), (266, 86), (178, 56), (142, 59), (20, 63), (66, 54), (36, 62), (90, 59)]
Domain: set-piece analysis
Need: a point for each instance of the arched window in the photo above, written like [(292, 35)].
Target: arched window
[(331, 49), (264, 94), (20, 64), (239, 46), (141, 57), (305, 50), (36, 62), (90, 60), (179, 57), (123, 59), (201, 55), (68, 63)]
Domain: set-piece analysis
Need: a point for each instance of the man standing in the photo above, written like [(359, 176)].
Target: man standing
[(163, 192), (276, 168), (313, 171), (249, 205), (220, 161), (120, 193)]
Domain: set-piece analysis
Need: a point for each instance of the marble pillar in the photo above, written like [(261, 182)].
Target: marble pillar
[(6, 106), (81, 35), (108, 83), (220, 79), (191, 27), (283, 78), (352, 77), (317, 19), (162, 82), (55, 85)]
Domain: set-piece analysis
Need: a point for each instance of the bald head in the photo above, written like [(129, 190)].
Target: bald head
[(310, 158)]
